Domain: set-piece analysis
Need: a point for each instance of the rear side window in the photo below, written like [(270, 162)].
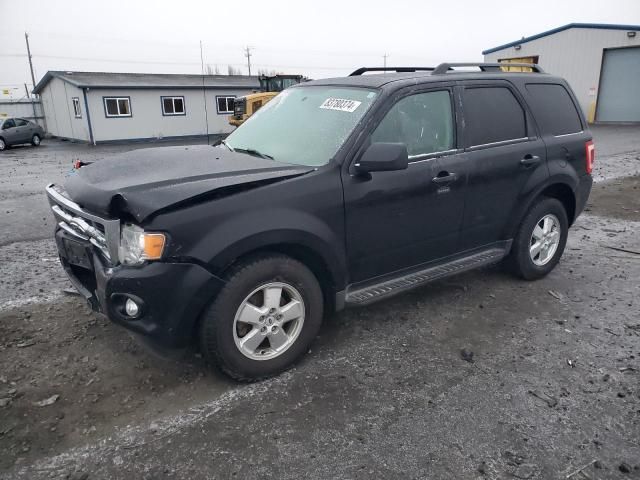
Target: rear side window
[(492, 114), (555, 112)]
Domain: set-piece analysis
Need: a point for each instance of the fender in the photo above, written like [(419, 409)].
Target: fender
[(254, 230), (559, 175)]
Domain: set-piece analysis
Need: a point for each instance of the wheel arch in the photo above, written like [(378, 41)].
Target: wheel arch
[(306, 255), (560, 188)]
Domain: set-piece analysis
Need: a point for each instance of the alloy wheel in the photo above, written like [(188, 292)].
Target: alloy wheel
[(268, 321), (545, 240)]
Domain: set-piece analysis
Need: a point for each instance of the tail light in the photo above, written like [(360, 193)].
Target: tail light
[(590, 151)]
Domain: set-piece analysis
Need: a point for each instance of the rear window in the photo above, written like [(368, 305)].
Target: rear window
[(555, 112), (492, 114)]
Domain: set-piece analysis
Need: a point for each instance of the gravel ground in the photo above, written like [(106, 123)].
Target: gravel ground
[(385, 392)]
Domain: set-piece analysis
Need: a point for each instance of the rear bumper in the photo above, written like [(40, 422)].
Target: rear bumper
[(582, 193), (171, 296)]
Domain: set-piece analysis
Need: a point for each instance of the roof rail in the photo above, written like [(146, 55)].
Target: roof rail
[(362, 70), (485, 67)]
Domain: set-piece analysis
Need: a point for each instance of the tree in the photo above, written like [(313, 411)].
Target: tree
[(233, 70), (215, 70)]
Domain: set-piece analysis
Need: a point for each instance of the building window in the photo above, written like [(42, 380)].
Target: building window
[(76, 107), (117, 106), (225, 104), (172, 105)]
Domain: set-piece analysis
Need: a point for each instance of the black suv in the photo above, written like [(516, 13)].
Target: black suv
[(338, 192)]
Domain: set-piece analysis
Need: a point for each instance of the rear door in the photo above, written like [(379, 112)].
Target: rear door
[(399, 219), (504, 153), (23, 130)]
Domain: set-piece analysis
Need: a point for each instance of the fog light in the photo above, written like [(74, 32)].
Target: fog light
[(131, 308)]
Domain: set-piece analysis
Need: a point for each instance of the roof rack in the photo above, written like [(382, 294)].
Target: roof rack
[(485, 67), (362, 70)]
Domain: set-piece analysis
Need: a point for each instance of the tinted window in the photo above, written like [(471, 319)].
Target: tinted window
[(553, 108), (8, 124), (21, 123), (492, 114), (423, 122)]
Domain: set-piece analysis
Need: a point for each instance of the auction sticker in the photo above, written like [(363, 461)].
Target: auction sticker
[(340, 104)]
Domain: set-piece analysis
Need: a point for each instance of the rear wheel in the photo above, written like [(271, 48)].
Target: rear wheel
[(35, 140), (540, 240), (264, 318)]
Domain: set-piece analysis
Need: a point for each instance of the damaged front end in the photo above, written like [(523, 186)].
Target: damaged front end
[(109, 263)]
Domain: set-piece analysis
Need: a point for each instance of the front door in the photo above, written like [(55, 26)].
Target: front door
[(9, 132), (400, 219)]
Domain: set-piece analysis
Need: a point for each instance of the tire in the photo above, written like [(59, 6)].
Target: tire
[(3, 145), (523, 260), (35, 140), (227, 342)]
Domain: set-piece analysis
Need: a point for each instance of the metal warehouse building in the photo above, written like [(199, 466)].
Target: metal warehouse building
[(600, 62), (107, 107)]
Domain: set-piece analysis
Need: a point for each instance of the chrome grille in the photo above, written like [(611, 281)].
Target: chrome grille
[(103, 233)]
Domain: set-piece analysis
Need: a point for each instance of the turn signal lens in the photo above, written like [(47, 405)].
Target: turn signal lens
[(153, 245), (591, 156)]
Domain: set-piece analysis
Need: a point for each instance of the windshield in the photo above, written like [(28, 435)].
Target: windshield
[(303, 125)]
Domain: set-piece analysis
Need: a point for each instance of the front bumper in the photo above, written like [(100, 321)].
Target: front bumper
[(171, 296)]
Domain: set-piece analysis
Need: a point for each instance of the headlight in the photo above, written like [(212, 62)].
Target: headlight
[(136, 246)]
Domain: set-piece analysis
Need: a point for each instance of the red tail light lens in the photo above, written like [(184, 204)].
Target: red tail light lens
[(591, 156)]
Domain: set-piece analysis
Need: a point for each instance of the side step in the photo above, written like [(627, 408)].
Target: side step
[(393, 286)]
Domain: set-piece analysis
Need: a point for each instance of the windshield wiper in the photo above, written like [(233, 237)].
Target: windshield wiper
[(254, 152)]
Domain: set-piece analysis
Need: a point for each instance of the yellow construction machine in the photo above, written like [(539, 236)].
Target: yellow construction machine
[(270, 86)]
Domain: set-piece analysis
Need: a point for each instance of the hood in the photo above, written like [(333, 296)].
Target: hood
[(145, 181)]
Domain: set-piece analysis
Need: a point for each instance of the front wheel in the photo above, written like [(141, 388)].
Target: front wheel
[(35, 140), (3, 145), (263, 319), (540, 240)]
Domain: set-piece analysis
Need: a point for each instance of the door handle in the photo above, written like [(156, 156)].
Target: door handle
[(445, 177), (530, 160)]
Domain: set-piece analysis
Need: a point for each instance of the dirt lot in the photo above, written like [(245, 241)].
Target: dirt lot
[(554, 385)]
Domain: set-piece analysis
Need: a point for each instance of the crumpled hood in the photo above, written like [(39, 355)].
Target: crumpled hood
[(144, 181)]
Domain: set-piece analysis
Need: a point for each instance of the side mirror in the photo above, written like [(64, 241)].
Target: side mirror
[(383, 157)]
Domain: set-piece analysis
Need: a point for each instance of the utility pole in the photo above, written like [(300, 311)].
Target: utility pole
[(204, 93), (247, 54), (385, 59), (33, 77)]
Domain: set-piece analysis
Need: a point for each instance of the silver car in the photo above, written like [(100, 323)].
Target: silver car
[(14, 131)]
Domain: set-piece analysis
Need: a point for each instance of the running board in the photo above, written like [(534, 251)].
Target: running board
[(392, 286)]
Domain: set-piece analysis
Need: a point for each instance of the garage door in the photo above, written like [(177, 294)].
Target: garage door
[(619, 96)]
